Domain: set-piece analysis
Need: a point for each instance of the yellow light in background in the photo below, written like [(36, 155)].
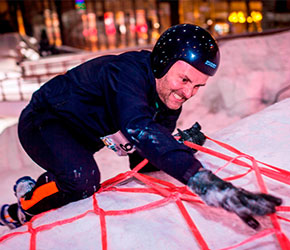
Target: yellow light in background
[(257, 16), (242, 20), (239, 17), (230, 18), (233, 17), (240, 14)]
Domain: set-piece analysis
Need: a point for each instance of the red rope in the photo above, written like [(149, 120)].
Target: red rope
[(191, 225), (101, 214), (171, 193), (283, 240), (259, 235)]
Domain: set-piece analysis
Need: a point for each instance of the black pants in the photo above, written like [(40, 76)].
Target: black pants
[(72, 173)]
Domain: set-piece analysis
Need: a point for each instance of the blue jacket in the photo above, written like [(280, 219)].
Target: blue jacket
[(118, 93)]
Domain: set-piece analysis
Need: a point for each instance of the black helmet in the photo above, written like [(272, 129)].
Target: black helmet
[(189, 43)]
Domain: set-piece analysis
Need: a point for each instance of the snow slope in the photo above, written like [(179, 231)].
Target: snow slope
[(264, 135)]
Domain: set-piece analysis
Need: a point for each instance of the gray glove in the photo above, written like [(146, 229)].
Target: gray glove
[(218, 193)]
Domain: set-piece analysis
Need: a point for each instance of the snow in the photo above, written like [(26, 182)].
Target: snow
[(163, 227), (248, 81)]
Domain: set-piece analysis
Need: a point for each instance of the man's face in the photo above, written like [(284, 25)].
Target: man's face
[(181, 82)]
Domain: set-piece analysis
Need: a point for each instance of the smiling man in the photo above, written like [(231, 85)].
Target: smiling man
[(130, 103), (180, 83)]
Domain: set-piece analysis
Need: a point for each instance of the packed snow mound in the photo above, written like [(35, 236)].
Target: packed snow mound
[(97, 222)]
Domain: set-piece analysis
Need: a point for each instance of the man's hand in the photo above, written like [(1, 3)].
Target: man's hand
[(192, 134), (218, 193)]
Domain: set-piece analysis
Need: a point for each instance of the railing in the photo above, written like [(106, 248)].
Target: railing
[(19, 87), (252, 34)]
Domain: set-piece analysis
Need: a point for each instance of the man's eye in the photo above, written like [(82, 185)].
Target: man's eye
[(184, 80)]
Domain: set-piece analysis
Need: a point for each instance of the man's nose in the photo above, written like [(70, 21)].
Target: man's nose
[(189, 90)]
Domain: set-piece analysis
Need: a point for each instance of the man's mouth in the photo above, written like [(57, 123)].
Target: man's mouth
[(178, 97)]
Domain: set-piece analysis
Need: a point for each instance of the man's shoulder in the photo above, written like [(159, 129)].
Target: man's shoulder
[(135, 60), (134, 63), (136, 53), (134, 57)]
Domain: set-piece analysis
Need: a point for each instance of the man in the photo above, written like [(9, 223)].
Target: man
[(130, 103)]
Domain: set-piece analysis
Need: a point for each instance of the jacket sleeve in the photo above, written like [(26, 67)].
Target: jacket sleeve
[(135, 118)]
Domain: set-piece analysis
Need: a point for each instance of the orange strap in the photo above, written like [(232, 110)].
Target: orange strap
[(39, 194)]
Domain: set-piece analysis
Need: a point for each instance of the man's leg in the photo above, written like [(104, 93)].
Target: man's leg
[(72, 173)]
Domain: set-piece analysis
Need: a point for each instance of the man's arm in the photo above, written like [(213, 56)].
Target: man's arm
[(134, 116)]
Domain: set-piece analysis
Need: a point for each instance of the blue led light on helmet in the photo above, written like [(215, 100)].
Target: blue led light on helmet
[(189, 43), (191, 56)]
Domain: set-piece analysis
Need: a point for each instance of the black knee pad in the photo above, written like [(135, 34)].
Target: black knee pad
[(79, 185)]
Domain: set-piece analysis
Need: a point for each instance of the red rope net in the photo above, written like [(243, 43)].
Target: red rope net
[(178, 194)]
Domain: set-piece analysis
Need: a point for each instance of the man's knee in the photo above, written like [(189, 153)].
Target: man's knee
[(80, 187)]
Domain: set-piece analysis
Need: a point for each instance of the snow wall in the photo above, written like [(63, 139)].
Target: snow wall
[(132, 215)]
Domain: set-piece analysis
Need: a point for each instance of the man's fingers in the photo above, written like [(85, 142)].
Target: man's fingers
[(183, 136), (277, 201), (259, 204), (250, 221)]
